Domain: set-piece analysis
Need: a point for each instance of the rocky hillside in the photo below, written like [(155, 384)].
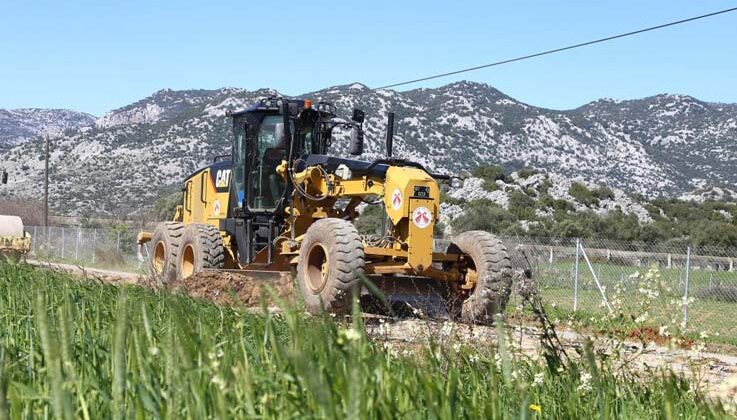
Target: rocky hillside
[(19, 125), (597, 199), (667, 145), (534, 204)]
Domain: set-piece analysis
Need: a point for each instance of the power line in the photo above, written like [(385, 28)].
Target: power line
[(556, 50)]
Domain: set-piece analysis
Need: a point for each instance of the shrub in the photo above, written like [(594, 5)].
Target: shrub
[(521, 205), (527, 172), (369, 222), (583, 195), (492, 173), (604, 193), (484, 215)]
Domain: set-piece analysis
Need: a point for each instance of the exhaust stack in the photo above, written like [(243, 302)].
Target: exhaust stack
[(389, 134)]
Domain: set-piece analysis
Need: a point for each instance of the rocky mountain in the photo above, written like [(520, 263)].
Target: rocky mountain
[(665, 145), (20, 125)]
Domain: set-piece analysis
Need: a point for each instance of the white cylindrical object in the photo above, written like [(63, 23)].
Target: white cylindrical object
[(11, 226)]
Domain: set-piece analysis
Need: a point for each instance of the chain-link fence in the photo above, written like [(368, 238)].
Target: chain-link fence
[(668, 286), (114, 249)]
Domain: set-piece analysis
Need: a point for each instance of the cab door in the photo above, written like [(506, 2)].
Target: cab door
[(265, 187)]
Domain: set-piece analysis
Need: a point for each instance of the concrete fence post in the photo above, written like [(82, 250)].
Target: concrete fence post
[(575, 276), (62, 242), (685, 287), (117, 246)]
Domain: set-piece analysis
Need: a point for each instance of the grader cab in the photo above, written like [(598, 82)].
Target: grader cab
[(281, 202)]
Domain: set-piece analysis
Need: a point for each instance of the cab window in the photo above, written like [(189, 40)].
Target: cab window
[(267, 187)]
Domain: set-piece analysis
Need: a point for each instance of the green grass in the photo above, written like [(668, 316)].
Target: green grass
[(81, 349)]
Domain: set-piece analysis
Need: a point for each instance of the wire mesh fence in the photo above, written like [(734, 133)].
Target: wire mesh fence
[(669, 285), (93, 247)]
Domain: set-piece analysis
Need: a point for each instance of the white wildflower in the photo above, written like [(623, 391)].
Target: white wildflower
[(642, 318), (498, 360), (352, 334), (539, 377), (585, 385), (219, 382)]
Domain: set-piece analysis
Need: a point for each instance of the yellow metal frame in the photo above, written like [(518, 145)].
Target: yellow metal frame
[(15, 244)]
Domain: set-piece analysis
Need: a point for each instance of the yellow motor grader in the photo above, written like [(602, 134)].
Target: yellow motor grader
[(280, 202)]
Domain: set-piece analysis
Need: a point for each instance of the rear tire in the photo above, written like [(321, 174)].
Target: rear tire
[(202, 248), (166, 242), (492, 266), (331, 262)]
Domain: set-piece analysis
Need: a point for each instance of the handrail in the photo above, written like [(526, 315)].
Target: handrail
[(203, 193)]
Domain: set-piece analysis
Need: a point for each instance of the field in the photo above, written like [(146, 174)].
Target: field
[(80, 349)]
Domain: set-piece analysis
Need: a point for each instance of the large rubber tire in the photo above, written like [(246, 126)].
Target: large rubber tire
[(493, 267), (331, 262), (164, 253), (202, 248)]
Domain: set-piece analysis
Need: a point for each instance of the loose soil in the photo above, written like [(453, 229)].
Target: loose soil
[(223, 287)]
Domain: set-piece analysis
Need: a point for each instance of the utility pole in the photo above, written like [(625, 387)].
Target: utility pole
[(46, 185)]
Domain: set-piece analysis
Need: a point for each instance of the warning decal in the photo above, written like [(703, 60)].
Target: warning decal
[(216, 208), (396, 199), (421, 217)]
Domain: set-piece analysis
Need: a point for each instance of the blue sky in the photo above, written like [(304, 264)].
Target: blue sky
[(99, 55)]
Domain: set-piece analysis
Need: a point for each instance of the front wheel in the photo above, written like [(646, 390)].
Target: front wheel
[(331, 262), (201, 248), (490, 269), (166, 242)]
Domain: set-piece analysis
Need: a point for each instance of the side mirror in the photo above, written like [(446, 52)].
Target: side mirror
[(358, 116), (4, 178), (356, 141)]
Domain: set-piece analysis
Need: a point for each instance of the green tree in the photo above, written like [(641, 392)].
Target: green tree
[(166, 205), (369, 222)]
